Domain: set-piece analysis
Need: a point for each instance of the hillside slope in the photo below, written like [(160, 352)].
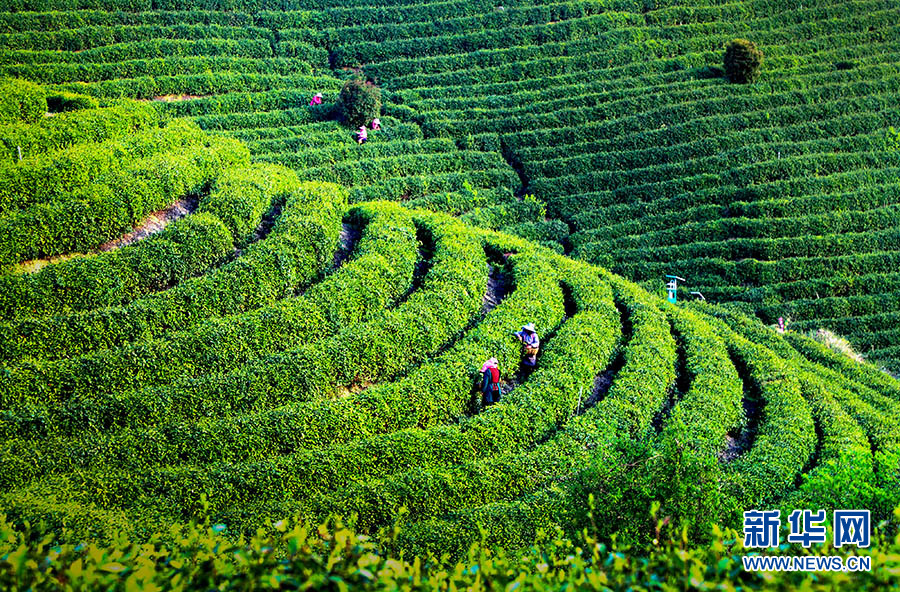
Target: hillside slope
[(780, 194), (307, 339), (280, 351)]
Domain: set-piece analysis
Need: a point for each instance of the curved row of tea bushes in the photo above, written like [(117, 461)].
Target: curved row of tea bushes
[(469, 464), (223, 104), (689, 193), (265, 272), (803, 292), (862, 373), (421, 28), (367, 52), (844, 473), (765, 252), (665, 185), (185, 248), (554, 67), (103, 210), (308, 226), (452, 377), (197, 85), (843, 470), (496, 173), (619, 220), (86, 38), (157, 48), (582, 346), (286, 139), (785, 439), (874, 412), (381, 409), (200, 440), (638, 391), (834, 307), (380, 271), (626, 53), (147, 78), (712, 405), (380, 347), (224, 220), (56, 175), (691, 231), (58, 20), (230, 484), (369, 170), (718, 271), (65, 129), (343, 25), (681, 468), (348, 153)]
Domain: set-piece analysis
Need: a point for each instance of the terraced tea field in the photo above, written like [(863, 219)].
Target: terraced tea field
[(780, 194), (217, 305)]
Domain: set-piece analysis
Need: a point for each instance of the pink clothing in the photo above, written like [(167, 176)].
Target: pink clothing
[(376, 124), (316, 100), (492, 363)]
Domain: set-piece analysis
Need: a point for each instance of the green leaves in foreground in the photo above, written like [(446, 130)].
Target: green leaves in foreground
[(331, 557)]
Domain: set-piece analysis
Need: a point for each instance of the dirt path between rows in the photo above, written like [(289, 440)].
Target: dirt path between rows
[(152, 224), (350, 235)]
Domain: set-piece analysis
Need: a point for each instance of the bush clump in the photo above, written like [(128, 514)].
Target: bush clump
[(360, 102), (21, 100), (742, 61)]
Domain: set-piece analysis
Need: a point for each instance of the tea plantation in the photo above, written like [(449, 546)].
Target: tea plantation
[(218, 308)]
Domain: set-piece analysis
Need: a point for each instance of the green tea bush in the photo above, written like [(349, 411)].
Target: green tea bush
[(21, 101), (485, 451), (638, 392), (317, 370), (65, 129), (844, 475), (786, 435), (223, 221)]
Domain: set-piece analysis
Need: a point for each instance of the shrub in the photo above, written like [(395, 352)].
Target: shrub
[(742, 61), (359, 102), (21, 101)]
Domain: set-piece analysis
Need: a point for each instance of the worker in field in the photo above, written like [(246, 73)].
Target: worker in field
[(376, 124), (362, 135), (531, 343), (316, 100), (490, 381)]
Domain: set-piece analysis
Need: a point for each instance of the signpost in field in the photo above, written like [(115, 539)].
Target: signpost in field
[(672, 287)]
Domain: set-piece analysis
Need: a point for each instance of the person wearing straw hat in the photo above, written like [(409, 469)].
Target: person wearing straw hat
[(490, 383), (530, 346), (316, 100)]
